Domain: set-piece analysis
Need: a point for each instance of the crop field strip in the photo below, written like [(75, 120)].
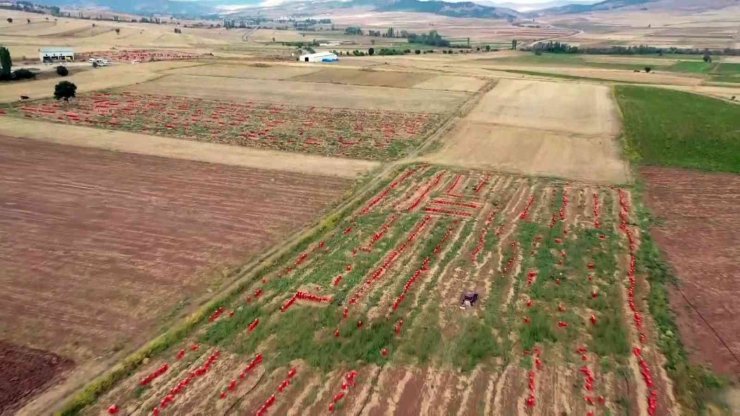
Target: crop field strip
[(317, 130), (365, 319)]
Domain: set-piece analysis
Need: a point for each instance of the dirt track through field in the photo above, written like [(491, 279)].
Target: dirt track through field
[(144, 144), (97, 245), (574, 133)]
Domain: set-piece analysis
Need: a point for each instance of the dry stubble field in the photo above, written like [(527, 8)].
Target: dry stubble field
[(544, 128), (365, 319), (98, 247)]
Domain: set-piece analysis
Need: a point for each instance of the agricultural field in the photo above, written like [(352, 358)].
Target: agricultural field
[(357, 97), (26, 371), (696, 227), (680, 129), (140, 55), (376, 135), (100, 248), (540, 128), (367, 319), (252, 71)]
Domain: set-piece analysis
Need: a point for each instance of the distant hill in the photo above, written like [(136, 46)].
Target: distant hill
[(453, 9), (138, 6), (585, 8), (202, 7)]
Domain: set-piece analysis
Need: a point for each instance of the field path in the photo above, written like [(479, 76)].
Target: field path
[(144, 144)]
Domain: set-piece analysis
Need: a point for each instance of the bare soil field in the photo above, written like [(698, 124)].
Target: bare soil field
[(367, 319), (99, 246), (540, 128), (26, 371), (91, 80), (305, 93), (697, 231)]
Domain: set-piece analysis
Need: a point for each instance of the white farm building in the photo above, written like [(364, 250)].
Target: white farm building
[(319, 57), (56, 54)]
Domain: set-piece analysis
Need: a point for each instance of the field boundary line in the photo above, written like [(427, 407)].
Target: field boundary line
[(88, 393)]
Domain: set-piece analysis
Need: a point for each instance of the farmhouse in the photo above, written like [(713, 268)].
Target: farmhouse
[(319, 57), (56, 54)]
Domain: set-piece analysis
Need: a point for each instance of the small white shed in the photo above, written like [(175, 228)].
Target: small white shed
[(319, 57), (56, 54)]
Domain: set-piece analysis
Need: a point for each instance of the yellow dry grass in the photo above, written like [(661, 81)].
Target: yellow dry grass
[(250, 71), (97, 79), (566, 130), (305, 93)]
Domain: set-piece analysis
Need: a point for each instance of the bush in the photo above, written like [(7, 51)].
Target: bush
[(371, 51), (418, 52), (648, 69), (65, 90), (62, 71), (23, 74)]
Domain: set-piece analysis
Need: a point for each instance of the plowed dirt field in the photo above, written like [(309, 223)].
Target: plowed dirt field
[(698, 223), (96, 246)]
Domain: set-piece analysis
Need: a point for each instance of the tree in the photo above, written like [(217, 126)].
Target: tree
[(62, 71), (118, 31), (28, 21), (23, 74), (5, 61), (707, 57), (371, 51), (513, 44), (648, 69), (10, 20), (488, 48), (418, 52), (65, 90), (389, 33)]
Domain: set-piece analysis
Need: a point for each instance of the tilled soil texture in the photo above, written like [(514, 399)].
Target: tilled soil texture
[(98, 247), (697, 229), (367, 320), (25, 371)]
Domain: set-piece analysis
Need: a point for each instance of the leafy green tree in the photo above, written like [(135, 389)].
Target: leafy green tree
[(513, 44), (488, 48), (5, 61), (62, 71), (65, 90), (371, 51)]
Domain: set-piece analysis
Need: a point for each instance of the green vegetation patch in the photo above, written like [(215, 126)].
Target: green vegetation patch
[(673, 128)]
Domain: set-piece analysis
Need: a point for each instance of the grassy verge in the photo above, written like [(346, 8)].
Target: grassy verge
[(102, 384), (672, 128)]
